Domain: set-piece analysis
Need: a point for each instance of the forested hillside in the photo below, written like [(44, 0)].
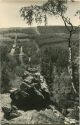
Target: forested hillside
[(46, 50)]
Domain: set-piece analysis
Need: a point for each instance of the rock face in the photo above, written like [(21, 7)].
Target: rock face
[(47, 116), (43, 116), (10, 113), (33, 92)]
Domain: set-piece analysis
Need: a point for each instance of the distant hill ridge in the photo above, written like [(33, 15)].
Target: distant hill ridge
[(41, 34), (32, 30)]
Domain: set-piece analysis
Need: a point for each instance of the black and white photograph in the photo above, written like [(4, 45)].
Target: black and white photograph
[(39, 62)]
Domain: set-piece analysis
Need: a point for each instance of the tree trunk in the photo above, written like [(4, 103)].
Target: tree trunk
[(21, 55), (70, 66), (70, 30)]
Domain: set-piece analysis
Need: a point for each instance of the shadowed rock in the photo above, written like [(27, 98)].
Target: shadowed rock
[(33, 92), (10, 113)]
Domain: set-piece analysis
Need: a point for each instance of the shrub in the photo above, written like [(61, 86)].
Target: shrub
[(61, 90)]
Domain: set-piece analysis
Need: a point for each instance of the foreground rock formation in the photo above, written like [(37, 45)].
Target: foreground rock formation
[(47, 116), (31, 104), (33, 92)]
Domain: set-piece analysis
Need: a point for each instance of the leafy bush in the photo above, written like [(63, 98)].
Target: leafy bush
[(61, 88), (5, 86)]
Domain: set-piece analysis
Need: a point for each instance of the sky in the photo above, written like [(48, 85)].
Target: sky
[(10, 16)]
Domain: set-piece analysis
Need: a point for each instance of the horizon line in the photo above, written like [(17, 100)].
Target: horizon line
[(34, 26)]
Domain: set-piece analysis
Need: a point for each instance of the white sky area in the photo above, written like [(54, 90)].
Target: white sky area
[(10, 16)]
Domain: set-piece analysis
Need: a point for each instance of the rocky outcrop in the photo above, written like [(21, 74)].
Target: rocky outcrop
[(33, 92), (5, 101), (10, 113), (47, 116)]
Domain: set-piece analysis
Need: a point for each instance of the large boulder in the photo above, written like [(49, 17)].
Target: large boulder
[(33, 92)]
